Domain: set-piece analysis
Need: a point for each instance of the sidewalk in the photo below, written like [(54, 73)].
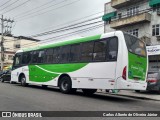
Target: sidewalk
[(142, 95)]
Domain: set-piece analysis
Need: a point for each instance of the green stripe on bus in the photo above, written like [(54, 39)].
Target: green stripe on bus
[(45, 73)]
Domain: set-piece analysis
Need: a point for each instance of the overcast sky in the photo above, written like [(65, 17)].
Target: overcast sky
[(32, 19)]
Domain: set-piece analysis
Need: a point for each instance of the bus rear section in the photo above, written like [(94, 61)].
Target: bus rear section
[(134, 69)]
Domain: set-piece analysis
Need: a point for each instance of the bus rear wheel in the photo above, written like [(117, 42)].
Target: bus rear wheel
[(23, 81), (89, 91), (65, 85)]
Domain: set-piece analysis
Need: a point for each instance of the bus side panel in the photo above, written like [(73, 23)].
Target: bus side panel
[(38, 75), (21, 70), (14, 75), (95, 75)]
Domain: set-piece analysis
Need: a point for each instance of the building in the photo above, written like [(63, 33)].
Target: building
[(12, 44), (137, 17)]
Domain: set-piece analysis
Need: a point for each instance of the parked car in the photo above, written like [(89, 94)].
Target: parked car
[(5, 75), (153, 81)]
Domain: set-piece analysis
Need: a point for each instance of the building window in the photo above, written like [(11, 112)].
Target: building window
[(132, 11), (17, 46), (155, 30), (10, 57), (134, 32), (119, 15)]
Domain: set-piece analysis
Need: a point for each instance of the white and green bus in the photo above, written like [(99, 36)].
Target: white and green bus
[(113, 60)]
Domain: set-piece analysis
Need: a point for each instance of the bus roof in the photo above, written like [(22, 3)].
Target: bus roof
[(79, 40)]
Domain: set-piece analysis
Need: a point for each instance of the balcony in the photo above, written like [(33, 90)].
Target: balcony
[(122, 3), (139, 18)]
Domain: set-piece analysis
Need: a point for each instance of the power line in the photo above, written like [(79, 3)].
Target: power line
[(49, 11), (37, 11), (71, 21), (35, 8), (17, 6), (69, 34), (82, 31), (68, 27), (10, 5), (5, 3), (75, 32)]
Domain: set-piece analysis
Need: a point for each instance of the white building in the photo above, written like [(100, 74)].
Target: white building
[(138, 17)]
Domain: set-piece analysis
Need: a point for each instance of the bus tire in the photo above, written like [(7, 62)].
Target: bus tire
[(89, 91), (23, 81), (65, 85), (2, 80)]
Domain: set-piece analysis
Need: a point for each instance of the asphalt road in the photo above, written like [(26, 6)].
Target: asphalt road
[(14, 97)]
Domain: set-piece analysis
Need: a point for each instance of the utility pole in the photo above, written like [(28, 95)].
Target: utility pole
[(2, 37), (2, 41)]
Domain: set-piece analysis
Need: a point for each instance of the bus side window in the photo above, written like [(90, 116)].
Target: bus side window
[(56, 55), (34, 56), (112, 49), (99, 53), (26, 58), (41, 56), (87, 51), (75, 53), (65, 53), (49, 55)]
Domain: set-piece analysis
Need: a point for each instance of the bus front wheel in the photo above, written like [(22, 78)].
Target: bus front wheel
[(65, 85), (23, 81), (89, 91)]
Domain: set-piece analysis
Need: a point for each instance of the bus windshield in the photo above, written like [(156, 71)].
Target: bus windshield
[(135, 45)]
